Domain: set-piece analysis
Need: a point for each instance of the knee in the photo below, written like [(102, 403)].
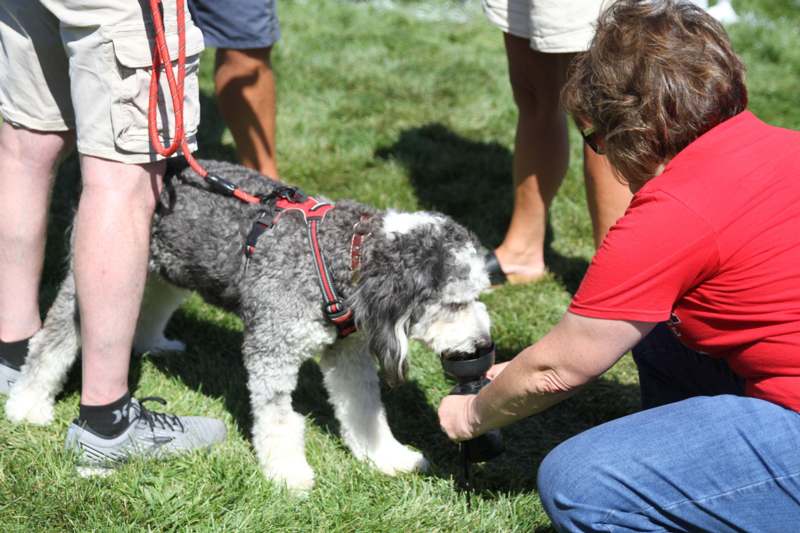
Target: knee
[(109, 185), (37, 148), (243, 64), (536, 94), (570, 483)]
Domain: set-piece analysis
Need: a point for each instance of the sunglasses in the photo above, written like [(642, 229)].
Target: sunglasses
[(590, 138)]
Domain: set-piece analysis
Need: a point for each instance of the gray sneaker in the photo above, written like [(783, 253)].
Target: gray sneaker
[(8, 376), (150, 435)]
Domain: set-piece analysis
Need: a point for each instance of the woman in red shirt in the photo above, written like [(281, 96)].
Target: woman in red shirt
[(701, 277)]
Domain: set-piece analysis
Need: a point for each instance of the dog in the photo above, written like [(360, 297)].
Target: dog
[(419, 277)]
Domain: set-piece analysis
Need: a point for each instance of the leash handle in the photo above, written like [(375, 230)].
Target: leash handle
[(176, 86)]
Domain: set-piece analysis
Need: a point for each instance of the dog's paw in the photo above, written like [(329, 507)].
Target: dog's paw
[(297, 477), (399, 459), (27, 406), (160, 345)]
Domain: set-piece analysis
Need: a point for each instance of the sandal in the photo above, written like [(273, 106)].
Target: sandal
[(497, 276)]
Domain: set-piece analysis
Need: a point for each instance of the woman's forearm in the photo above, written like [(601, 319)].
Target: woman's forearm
[(516, 393), (574, 352)]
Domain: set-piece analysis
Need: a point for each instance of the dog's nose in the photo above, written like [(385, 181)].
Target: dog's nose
[(484, 344)]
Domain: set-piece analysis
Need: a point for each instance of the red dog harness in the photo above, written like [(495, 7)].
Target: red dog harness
[(313, 212)]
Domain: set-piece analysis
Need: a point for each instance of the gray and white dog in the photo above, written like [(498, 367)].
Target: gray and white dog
[(420, 277)]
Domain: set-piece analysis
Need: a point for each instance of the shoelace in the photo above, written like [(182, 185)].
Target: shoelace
[(153, 418)]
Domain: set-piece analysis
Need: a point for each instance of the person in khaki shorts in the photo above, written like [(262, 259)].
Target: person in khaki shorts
[(541, 38), (78, 70)]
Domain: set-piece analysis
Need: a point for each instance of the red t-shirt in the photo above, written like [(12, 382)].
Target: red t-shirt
[(713, 243)]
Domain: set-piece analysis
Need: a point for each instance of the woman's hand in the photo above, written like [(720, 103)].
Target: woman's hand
[(496, 369), (457, 418)]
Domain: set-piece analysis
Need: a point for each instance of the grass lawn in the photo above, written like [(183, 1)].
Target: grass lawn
[(383, 103)]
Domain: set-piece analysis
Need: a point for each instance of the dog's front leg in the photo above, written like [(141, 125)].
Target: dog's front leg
[(351, 378), (278, 431)]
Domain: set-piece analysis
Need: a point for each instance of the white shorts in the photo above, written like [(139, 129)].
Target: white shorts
[(552, 26), (85, 65)]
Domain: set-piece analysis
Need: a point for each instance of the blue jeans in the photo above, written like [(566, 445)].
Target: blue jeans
[(700, 457)]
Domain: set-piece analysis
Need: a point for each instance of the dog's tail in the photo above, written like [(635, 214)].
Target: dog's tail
[(50, 355)]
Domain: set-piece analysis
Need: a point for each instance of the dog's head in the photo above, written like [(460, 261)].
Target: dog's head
[(421, 279)]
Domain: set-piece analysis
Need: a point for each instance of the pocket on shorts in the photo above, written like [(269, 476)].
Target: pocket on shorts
[(131, 88)]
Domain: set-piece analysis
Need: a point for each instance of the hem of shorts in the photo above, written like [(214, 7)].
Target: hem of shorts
[(27, 122), (502, 24), (540, 44), (211, 42), (562, 43), (130, 158)]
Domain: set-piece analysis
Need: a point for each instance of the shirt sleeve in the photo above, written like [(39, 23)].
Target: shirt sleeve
[(651, 257)]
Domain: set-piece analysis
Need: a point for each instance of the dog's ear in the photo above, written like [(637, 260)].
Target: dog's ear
[(382, 312)]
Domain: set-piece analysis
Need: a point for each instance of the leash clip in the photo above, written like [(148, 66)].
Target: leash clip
[(220, 185)]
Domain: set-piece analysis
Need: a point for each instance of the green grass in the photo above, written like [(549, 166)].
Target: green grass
[(396, 112)]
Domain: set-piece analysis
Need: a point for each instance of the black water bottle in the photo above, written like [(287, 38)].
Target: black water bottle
[(469, 370)]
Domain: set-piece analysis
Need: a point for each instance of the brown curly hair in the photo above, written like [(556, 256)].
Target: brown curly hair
[(658, 74)]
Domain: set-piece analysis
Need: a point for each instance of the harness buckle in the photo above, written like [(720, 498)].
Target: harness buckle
[(256, 230), (291, 194), (334, 309)]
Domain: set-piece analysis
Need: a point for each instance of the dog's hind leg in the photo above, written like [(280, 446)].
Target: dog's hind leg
[(160, 300), (351, 378), (50, 354), (278, 431)]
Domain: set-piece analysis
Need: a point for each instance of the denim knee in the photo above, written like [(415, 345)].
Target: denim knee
[(569, 479)]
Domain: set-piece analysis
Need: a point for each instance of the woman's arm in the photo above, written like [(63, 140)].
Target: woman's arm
[(575, 351)]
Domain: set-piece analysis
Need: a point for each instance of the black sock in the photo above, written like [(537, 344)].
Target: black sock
[(108, 420), (13, 354)]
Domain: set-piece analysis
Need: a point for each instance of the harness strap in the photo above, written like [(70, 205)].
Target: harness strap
[(356, 241), (259, 227), (313, 212)]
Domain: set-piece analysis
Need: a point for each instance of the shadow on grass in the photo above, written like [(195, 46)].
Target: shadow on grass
[(212, 365), (471, 182), (527, 442)]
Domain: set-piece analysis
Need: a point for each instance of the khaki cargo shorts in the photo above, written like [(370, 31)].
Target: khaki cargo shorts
[(85, 65), (552, 26)]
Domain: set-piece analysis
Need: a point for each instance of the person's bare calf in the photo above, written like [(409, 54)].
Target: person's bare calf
[(245, 87), (27, 167), (112, 236)]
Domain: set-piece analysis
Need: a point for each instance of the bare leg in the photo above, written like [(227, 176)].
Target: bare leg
[(606, 195), (245, 86), (112, 235), (27, 168), (540, 155)]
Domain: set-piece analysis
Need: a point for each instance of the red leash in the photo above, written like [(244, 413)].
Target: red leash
[(176, 91)]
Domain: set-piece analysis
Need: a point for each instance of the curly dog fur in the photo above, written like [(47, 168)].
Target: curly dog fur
[(420, 278)]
